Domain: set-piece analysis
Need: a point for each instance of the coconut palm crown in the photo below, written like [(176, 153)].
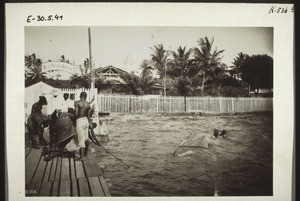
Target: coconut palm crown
[(206, 60)]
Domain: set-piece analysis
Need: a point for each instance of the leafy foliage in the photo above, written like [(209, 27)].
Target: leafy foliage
[(224, 85), (182, 86), (257, 71), (131, 85), (206, 61), (197, 71), (81, 81), (159, 59), (33, 70), (226, 91), (135, 85), (237, 62), (102, 84), (59, 83), (146, 68), (180, 64)]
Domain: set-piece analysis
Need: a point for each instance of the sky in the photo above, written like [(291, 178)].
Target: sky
[(126, 47)]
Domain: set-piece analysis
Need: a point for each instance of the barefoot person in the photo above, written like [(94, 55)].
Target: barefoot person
[(83, 112), (66, 133), (36, 123)]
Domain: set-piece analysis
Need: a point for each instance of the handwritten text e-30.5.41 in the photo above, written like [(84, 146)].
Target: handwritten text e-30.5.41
[(42, 18)]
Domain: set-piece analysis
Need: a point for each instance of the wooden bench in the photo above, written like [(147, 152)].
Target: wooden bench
[(62, 176)]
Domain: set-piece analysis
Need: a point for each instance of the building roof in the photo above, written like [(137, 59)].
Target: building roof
[(109, 71), (263, 91), (40, 84), (157, 86)]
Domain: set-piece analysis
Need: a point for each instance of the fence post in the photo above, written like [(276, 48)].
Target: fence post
[(129, 104), (220, 100), (141, 102)]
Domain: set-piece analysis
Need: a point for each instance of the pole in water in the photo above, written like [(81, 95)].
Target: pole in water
[(114, 156), (175, 151)]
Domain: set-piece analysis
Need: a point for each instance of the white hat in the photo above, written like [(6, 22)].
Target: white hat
[(55, 92)]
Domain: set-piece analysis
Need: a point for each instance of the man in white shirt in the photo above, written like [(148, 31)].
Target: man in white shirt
[(65, 102), (55, 102), (71, 102)]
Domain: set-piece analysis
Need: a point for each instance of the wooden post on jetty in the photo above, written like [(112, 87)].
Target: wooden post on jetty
[(95, 116), (94, 93)]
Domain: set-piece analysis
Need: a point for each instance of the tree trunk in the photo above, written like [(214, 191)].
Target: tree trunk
[(165, 83), (129, 104), (184, 98), (256, 92), (203, 82)]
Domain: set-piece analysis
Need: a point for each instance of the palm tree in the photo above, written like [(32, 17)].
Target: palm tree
[(180, 63), (159, 60), (146, 68), (34, 73), (146, 84), (183, 86), (131, 84), (179, 71), (206, 60), (237, 62), (135, 85)]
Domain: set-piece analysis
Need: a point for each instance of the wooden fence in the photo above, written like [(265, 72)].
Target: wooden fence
[(170, 104), (77, 92), (141, 104), (153, 104)]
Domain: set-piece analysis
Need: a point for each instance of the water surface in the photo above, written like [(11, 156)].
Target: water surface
[(238, 165)]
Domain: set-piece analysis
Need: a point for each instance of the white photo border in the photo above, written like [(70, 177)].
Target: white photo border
[(154, 14)]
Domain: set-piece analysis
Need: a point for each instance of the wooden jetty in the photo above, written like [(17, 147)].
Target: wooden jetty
[(62, 176)]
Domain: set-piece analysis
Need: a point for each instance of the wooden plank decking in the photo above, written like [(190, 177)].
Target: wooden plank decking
[(62, 176)]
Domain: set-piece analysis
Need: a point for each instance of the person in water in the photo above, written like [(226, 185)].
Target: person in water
[(83, 113)]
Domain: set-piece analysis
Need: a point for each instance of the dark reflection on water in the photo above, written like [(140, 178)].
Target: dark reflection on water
[(240, 164)]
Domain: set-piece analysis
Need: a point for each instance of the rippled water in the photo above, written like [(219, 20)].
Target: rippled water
[(240, 164)]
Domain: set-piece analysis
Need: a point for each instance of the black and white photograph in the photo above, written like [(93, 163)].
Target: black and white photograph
[(130, 110), (181, 111)]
